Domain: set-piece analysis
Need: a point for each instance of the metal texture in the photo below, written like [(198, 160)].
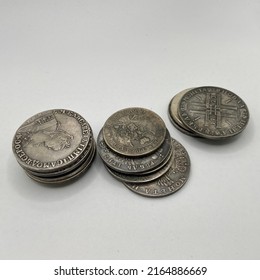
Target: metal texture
[(171, 181), (142, 178), (213, 112), (134, 132), (74, 174), (51, 140), (133, 165)]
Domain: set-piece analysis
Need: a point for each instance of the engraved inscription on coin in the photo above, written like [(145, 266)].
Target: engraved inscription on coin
[(134, 131), (53, 143), (213, 112), (122, 163), (171, 181)]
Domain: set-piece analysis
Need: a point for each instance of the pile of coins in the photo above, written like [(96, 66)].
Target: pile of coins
[(137, 149), (54, 146), (208, 112)]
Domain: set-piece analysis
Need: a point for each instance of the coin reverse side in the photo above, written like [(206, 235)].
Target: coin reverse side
[(134, 131), (213, 112)]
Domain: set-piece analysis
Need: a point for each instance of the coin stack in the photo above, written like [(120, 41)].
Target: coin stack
[(208, 112), (137, 149), (54, 146)]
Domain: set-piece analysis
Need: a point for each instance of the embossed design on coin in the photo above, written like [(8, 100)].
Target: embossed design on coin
[(171, 181), (52, 141), (128, 165), (134, 131), (213, 112)]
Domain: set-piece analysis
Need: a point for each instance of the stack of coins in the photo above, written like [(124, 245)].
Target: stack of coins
[(54, 146), (208, 112), (137, 149)]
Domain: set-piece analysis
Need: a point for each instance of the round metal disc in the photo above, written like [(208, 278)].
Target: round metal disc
[(213, 112), (134, 132), (51, 140)]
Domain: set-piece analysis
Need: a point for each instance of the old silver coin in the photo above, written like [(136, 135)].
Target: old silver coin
[(134, 132), (213, 112), (68, 176), (174, 179), (51, 140), (67, 169), (142, 178), (174, 114), (130, 165)]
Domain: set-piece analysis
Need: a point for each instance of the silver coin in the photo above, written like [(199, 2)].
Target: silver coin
[(171, 181), (182, 129), (51, 140), (213, 112), (68, 176), (134, 132), (67, 169), (174, 107), (142, 178), (132, 165)]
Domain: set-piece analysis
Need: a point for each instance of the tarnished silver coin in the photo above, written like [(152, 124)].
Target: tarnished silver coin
[(132, 165), (51, 141), (142, 178), (80, 159), (75, 173), (213, 112), (174, 179), (174, 114), (134, 132)]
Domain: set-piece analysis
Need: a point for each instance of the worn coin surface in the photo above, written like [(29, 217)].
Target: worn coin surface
[(131, 165), (142, 178), (213, 112), (75, 173), (51, 140), (171, 181), (77, 162), (134, 132)]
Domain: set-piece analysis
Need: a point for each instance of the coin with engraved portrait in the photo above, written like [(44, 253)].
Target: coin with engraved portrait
[(213, 112), (52, 143), (134, 131)]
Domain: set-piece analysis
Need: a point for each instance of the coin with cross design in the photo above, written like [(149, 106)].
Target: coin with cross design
[(213, 112)]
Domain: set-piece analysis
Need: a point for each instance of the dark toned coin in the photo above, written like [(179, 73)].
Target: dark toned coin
[(213, 112), (51, 140), (134, 132), (133, 165), (176, 176)]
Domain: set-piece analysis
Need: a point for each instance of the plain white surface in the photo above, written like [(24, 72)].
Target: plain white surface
[(96, 57)]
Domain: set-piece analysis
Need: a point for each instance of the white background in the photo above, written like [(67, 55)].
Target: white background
[(96, 57)]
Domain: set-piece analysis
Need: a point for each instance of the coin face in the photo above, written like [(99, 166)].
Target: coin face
[(134, 132), (132, 165), (51, 140), (171, 181), (213, 112)]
